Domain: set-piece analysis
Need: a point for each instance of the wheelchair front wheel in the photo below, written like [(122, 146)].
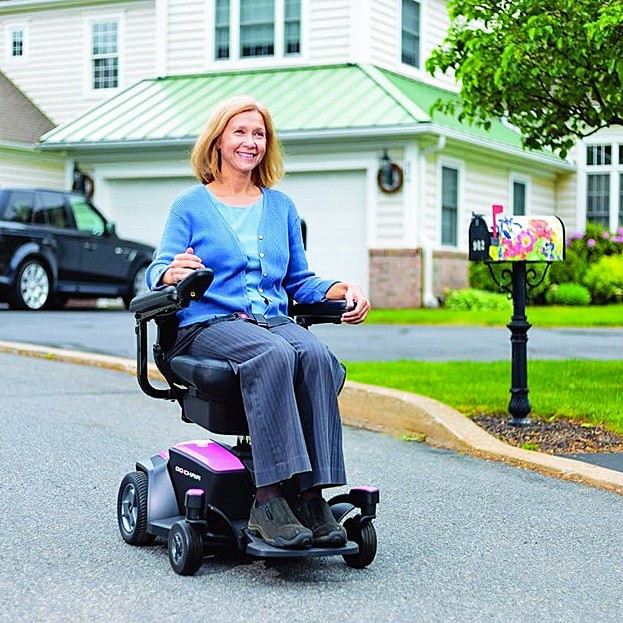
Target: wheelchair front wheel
[(365, 537), (185, 548)]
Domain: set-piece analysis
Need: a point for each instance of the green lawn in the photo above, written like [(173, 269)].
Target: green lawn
[(538, 316), (589, 391)]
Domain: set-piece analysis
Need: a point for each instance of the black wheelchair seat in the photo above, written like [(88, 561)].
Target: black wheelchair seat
[(213, 378)]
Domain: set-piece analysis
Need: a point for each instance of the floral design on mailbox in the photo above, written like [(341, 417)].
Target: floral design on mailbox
[(528, 239)]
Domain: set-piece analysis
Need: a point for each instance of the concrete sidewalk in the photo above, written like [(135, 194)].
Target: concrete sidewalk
[(393, 412)]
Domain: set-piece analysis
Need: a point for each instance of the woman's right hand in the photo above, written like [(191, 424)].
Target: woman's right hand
[(182, 265)]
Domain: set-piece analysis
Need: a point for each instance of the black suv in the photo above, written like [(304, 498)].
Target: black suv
[(55, 245)]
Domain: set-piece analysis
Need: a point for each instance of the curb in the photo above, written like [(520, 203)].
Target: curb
[(393, 412)]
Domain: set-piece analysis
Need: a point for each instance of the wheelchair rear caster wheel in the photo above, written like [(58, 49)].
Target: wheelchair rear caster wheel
[(132, 509), (185, 548), (365, 536)]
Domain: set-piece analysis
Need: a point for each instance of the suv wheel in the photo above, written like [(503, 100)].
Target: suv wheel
[(32, 288)]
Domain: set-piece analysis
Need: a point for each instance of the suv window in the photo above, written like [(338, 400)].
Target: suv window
[(19, 207), (85, 215), (50, 210)]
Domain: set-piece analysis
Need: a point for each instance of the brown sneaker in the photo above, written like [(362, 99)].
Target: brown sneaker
[(275, 523), (315, 513)]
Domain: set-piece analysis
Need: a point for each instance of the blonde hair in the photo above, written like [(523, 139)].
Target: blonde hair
[(205, 157)]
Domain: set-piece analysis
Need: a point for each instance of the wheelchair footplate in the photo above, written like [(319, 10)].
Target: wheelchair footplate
[(259, 548)]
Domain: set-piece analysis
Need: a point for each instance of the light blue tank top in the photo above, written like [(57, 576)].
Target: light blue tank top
[(245, 222)]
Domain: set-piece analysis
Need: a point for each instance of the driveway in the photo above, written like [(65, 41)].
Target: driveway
[(460, 539)]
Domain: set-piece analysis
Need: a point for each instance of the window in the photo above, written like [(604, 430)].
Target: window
[(19, 207), (519, 198), (449, 205), (292, 27), (17, 42), (598, 154), (105, 54), (257, 28), (221, 29), (411, 32), (86, 217), (598, 199), (604, 185), (50, 210), (248, 28)]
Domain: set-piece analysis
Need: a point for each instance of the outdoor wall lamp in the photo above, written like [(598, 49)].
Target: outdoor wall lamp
[(390, 176)]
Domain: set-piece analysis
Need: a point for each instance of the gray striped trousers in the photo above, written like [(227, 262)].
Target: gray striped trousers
[(289, 382)]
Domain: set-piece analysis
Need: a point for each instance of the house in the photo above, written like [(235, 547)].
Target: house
[(386, 189)]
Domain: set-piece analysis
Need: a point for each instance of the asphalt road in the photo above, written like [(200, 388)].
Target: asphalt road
[(460, 539), (111, 332)]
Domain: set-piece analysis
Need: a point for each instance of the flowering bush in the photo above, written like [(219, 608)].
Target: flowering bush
[(584, 250)]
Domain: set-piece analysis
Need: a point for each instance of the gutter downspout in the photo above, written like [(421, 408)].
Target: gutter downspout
[(428, 297)]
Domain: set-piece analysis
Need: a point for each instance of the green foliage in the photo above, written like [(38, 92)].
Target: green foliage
[(584, 250), (477, 300), (568, 294), (554, 70), (481, 279), (604, 279)]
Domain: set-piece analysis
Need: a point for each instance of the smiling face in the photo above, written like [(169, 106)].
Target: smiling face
[(243, 143)]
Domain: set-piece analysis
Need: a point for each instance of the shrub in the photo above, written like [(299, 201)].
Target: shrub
[(583, 250), (480, 278), (568, 294), (477, 300), (605, 279)]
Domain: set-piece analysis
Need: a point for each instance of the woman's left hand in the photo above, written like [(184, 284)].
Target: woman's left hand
[(357, 304)]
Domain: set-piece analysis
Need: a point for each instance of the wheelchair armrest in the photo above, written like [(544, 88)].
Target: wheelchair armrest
[(169, 299), (163, 299), (318, 313)]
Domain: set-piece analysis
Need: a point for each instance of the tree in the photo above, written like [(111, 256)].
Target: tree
[(553, 69)]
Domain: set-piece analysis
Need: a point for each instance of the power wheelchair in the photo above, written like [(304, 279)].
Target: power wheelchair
[(197, 494)]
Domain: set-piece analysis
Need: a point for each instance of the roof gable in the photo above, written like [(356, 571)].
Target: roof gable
[(20, 120)]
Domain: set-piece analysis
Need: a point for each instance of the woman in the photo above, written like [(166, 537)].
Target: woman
[(250, 236)]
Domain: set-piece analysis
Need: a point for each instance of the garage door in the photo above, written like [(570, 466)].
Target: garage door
[(332, 204), (334, 208), (140, 207)]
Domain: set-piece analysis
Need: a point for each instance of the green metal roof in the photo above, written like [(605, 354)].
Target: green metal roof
[(327, 100)]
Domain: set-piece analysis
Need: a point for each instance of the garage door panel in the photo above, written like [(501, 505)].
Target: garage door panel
[(140, 206)]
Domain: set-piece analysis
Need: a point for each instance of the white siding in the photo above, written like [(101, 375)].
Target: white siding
[(27, 168), (390, 209), (56, 74), (187, 21), (566, 209), (329, 31)]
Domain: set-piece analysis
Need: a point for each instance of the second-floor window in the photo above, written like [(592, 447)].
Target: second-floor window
[(17, 42), (411, 32), (604, 185), (105, 54), (250, 28)]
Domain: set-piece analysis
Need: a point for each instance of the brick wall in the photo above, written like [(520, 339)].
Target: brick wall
[(450, 270), (395, 278)]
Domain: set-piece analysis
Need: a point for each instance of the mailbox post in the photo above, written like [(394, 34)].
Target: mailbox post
[(519, 241)]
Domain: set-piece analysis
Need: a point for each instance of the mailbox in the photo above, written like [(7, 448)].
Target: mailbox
[(516, 239)]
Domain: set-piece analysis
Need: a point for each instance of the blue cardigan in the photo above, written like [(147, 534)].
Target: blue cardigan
[(195, 222)]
